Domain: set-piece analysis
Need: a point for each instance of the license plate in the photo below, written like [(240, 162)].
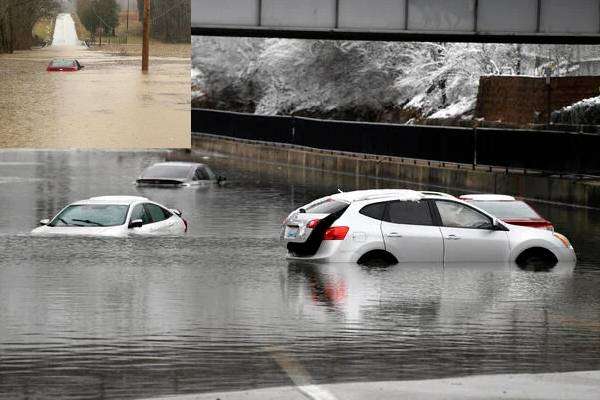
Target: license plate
[(291, 232)]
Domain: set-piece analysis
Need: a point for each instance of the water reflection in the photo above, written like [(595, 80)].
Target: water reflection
[(220, 308)]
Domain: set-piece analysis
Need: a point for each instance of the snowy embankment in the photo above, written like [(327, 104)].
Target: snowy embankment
[(367, 81), (584, 112), (65, 33)]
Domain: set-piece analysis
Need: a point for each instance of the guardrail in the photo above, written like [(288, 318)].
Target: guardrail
[(563, 153)]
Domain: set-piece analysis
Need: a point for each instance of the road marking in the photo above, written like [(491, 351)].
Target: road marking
[(299, 375)]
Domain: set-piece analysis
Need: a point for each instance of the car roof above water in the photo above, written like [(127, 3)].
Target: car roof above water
[(487, 197), (364, 195), (118, 200), (177, 164)]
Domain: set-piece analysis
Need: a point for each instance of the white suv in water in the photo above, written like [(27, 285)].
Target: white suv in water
[(409, 226), (114, 216)]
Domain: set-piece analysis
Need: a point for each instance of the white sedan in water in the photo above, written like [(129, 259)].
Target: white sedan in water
[(114, 216), (394, 226)]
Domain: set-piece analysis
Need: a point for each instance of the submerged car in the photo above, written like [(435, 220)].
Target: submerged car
[(65, 65), (182, 174), (114, 216), (509, 209), (393, 226)]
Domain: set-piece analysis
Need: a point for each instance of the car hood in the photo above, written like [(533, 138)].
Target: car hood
[(115, 231)]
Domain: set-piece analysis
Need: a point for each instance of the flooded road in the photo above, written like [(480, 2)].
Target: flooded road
[(65, 33), (220, 309), (109, 104)]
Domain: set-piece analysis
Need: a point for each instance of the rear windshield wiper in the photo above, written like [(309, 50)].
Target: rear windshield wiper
[(87, 221)]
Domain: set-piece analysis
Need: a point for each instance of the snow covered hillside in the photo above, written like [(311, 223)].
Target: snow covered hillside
[(351, 80)]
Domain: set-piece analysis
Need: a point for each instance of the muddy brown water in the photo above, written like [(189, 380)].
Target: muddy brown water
[(218, 309), (109, 104)]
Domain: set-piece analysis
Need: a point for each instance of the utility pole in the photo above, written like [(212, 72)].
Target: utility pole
[(146, 44), (127, 29)]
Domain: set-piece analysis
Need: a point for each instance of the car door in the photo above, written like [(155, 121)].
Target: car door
[(410, 233), (469, 235), (139, 212)]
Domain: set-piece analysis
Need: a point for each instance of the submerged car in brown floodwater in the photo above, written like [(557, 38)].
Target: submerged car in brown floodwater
[(64, 65)]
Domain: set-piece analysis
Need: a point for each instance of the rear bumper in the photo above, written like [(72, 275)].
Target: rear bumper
[(329, 251), (566, 255)]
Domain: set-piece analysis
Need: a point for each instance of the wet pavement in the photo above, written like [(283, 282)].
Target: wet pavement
[(109, 104), (220, 309)]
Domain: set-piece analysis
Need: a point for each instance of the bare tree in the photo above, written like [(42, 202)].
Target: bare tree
[(17, 18), (170, 19)]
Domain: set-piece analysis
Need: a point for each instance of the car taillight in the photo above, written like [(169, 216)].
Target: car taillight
[(313, 224), (336, 233)]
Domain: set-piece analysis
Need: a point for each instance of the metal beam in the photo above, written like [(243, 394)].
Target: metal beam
[(507, 21)]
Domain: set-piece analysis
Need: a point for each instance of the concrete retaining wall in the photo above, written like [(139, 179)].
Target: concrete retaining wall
[(460, 177)]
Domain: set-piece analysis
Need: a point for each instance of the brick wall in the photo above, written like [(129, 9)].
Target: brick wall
[(515, 99)]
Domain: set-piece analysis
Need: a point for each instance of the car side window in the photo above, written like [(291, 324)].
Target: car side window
[(375, 211), (456, 215), (139, 212), (201, 174), (409, 213), (156, 213)]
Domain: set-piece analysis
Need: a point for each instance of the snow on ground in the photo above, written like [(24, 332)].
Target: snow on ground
[(65, 33), (584, 112), (462, 107)]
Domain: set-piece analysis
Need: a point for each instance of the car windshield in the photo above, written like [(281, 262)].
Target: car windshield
[(89, 215), (62, 63), (507, 209), (328, 206), (166, 171)]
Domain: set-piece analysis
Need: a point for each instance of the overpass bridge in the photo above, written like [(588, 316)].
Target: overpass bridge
[(494, 21)]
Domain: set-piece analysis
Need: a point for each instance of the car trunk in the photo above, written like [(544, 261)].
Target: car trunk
[(304, 241)]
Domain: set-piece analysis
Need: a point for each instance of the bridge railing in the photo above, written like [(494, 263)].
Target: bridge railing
[(555, 152)]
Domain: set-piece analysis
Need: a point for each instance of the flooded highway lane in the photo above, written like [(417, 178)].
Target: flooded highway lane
[(109, 104), (220, 309)]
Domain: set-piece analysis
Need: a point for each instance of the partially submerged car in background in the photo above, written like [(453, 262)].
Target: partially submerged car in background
[(407, 226), (114, 216), (64, 65), (178, 174), (509, 210)]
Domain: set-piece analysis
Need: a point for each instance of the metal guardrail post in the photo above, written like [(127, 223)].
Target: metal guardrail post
[(293, 130), (474, 148)]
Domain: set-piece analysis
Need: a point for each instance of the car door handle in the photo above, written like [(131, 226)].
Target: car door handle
[(452, 237), (394, 235)]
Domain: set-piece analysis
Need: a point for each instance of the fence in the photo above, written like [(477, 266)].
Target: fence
[(546, 151)]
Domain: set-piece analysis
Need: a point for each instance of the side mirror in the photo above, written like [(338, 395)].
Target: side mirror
[(176, 212), (136, 223), (44, 222)]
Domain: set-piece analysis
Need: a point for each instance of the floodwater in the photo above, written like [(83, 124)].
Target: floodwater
[(109, 104), (220, 309)]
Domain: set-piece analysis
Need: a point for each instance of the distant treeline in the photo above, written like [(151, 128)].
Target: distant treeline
[(17, 18), (170, 19)]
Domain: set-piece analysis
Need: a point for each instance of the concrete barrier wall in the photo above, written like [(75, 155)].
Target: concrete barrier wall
[(516, 99), (455, 176)]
